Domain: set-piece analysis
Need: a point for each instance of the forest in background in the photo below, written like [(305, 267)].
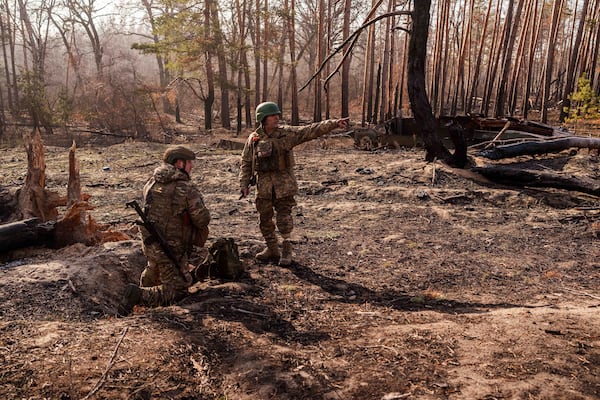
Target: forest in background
[(132, 67)]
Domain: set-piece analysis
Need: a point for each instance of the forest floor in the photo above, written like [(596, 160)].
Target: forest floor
[(411, 280)]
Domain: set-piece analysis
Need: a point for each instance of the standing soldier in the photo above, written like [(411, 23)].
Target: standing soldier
[(268, 161), (175, 207)]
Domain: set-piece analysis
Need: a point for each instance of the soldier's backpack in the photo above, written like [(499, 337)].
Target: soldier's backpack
[(226, 262)]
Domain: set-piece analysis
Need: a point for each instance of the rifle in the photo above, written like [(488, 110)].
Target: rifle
[(156, 234), (253, 178)]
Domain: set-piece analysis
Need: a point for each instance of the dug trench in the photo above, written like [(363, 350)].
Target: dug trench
[(411, 280)]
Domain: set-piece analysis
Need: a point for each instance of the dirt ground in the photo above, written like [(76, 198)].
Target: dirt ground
[(411, 280)]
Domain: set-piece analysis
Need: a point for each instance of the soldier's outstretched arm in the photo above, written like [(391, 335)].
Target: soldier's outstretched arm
[(306, 133)]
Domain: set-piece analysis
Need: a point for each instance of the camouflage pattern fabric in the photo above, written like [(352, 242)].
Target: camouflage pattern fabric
[(276, 173), (281, 209), (276, 182), (176, 207)]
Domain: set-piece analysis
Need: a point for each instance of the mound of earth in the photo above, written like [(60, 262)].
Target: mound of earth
[(411, 280)]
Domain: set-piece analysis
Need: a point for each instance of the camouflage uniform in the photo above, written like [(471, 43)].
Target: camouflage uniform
[(177, 209), (275, 180)]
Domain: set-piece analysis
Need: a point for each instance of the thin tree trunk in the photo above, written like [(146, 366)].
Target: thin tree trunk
[(369, 72), (240, 11), (257, 44), (386, 65), (375, 119), (293, 75), (317, 112), (210, 97), (595, 43), (573, 63), (537, 22), (3, 36), (328, 66), (492, 64), (444, 61), (265, 53), (516, 72), (346, 65), (506, 62), (475, 82), (219, 47), (556, 10)]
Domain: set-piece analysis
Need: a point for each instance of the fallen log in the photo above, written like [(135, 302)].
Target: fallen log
[(29, 232), (543, 147), (521, 177)]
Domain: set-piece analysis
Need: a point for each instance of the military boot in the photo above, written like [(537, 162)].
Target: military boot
[(131, 298), (286, 253), (271, 253)]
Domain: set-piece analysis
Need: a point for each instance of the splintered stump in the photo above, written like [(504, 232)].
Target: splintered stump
[(38, 206), (34, 200)]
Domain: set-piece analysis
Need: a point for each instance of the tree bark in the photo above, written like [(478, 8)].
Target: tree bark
[(291, 31), (556, 10), (548, 146), (346, 62), (210, 97), (520, 177), (420, 105), (25, 233), (571, 78)]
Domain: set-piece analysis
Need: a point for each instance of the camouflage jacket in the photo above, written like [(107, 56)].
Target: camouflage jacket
[(273, 157), (176, 207)]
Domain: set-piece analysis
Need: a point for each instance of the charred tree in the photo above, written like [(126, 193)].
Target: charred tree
[(421, 108), (521, 177), (25, 233), (544, 147)]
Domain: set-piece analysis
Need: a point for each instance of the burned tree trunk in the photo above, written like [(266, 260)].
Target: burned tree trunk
[(41, 226), (548, 146), (521, 177), (25, 233), (420, 105)]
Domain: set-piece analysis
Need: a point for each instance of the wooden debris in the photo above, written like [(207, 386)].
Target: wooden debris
[(544, 147), (521, 177), (25, 233), (34, 200), (42, 225)]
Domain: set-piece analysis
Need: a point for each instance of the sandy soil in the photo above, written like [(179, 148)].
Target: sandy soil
[(411, 280)]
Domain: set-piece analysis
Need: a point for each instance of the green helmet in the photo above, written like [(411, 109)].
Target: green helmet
[(178, 153), (265, 109)]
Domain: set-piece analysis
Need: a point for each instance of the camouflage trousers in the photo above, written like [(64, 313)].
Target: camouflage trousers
[(161, 283), (281, 209)]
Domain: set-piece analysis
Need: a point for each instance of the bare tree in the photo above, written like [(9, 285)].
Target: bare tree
[(210, 75), (291, 18), (472, 92), (556, 10), (317, 112), (219, 48), (346, 62), (417, 51), (573, 63), (83, 12)]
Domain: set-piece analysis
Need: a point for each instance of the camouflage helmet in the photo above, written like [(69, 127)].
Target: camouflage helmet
[(265, 109), (178, 153)]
